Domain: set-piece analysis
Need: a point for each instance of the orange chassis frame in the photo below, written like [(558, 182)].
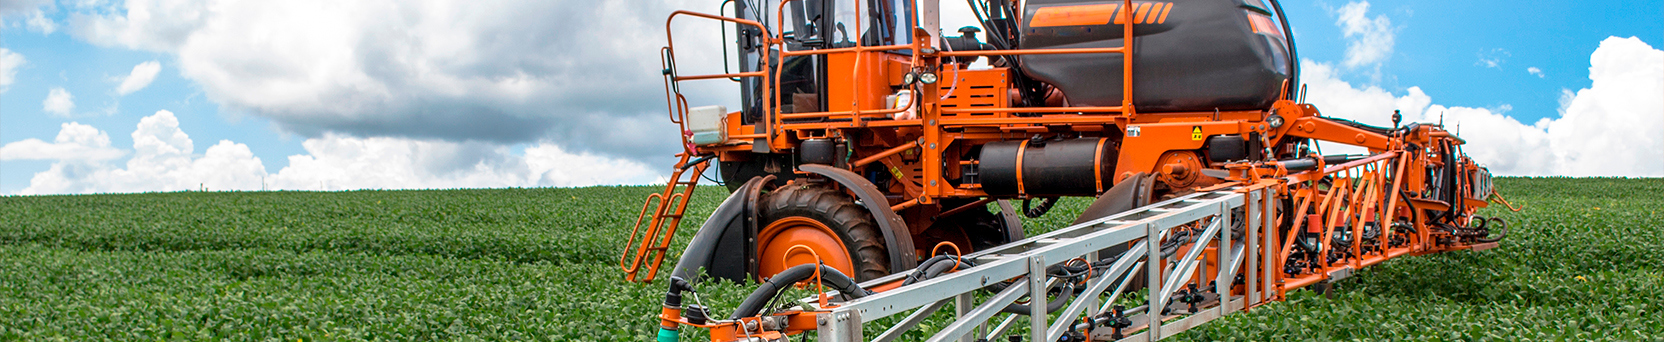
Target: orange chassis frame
[(1357, 192)]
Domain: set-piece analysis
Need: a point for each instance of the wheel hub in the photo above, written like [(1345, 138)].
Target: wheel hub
[(797, 240)]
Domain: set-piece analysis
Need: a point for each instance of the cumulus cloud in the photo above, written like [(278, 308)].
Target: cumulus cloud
[(1369, 40), (38, 22), (75, 142), (337, 162), (1612, 128), (164, 159), (9, 63), (1534, 71), (584, 75), (140, 77), (58, 102)]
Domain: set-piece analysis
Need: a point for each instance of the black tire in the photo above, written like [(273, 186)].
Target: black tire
[(854, 225), (983, 228)]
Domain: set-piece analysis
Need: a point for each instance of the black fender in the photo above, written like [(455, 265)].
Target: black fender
[(898, 240), (1128, 194), (1013, 222), (725, 246)]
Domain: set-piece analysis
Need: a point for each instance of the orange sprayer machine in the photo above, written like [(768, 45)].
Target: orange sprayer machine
[(883, 161)]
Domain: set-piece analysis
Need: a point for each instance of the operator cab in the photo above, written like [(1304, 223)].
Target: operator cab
[(811, 25)]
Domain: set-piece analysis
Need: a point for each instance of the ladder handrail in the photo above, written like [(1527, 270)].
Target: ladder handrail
[(661, 227)]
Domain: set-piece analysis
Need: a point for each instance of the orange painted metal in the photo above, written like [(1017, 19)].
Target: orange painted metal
[(1099, 14), (661, 225), (782, 243), (965, 109)]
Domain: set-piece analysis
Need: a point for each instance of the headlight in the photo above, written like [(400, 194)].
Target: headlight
[(928, 78)]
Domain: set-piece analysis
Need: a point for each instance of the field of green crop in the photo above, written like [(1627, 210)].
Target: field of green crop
[(1582, 263)]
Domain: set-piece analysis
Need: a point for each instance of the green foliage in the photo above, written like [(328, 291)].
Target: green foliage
[(540, 264), (1581, 263)]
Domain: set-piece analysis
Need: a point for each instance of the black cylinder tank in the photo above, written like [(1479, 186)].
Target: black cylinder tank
[(1069, 167), (1188, 55)]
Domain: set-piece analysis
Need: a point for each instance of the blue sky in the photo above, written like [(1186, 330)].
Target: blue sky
[(1441, 45), (380, 122)]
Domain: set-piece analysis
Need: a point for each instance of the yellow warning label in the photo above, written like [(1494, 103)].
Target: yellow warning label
[(896, 172), (1196, 133)]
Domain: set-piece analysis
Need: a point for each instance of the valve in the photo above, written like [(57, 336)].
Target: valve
[(1118, 320), (1190, 296)]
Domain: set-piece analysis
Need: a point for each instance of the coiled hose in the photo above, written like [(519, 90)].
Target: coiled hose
[(766, 292), (1501, 228)]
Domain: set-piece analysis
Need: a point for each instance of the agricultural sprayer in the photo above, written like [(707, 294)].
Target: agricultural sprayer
[(877, 160)]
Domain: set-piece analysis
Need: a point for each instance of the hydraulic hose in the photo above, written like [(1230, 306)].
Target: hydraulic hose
[(766, 292), (1058, 303), (942, 264), (1036, 212), (936, 266), (1501, 229)]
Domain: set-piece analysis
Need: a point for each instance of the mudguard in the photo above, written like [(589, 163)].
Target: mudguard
[(897, 239), (1013, 222), (1130, 193), (725, 245)]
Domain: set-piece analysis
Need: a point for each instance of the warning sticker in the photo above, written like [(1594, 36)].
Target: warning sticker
[(1133, 131), (1196, 133)]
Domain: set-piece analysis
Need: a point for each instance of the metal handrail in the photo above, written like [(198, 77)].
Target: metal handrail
[(856, 114)]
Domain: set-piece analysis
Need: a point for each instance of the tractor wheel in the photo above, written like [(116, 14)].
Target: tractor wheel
[(802, 221)]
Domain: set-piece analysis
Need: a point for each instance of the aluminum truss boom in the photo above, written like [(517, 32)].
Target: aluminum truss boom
[(1216, 214)]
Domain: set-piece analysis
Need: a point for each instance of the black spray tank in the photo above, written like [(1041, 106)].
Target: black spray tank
[(1189, 55)]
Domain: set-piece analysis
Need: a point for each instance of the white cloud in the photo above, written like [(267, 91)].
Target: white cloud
[(9, 63), (1369, 40), (75, 141), (164, 159), (1494, 58), (38, 22), (141, 77), (157, 25), (1612, 128), (58, 102), (514, 72), (1489, 62), (1534, 71), (336, 162)]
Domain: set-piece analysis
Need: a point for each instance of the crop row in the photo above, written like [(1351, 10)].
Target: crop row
[(539, 264), (520, 225), (263, 294)]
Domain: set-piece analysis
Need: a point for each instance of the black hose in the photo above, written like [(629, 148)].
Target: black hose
[(936, 266), (1058, 303), (766, 292), (1503, 227), (1036, 212), (941, 264)]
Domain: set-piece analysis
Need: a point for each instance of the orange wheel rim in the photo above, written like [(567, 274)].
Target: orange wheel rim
[(782, 245)]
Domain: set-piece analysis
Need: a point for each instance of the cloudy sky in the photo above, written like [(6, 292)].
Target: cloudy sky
[(165, 95)]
